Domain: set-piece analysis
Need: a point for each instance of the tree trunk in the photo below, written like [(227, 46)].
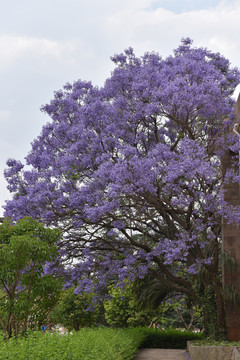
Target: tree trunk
[(230, 245)]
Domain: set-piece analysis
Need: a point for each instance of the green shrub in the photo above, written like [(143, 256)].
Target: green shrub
[(70, 310), (122, 310), (86, 344), (169, 339)]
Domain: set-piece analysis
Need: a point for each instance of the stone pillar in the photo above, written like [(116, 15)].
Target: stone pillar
[(231, 245)]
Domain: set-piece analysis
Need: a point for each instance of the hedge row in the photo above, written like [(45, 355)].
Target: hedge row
[(169, 339)]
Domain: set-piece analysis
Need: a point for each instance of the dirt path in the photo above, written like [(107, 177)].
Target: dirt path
[(161, 354)]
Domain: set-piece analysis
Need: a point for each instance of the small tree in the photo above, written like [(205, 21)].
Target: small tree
[(27, 294), (74, 311)]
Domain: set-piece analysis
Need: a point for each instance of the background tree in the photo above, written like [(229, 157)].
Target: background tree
[(75, 311), (131, 172), (27, 295), (122, 309), (170, 309)]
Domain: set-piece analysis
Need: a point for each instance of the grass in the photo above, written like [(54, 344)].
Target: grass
[(211, 342)]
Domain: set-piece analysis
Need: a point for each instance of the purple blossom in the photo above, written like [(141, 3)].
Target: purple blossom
[(131, 171)]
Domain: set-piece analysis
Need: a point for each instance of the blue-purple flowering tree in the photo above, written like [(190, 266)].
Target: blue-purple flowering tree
[(131, 171)]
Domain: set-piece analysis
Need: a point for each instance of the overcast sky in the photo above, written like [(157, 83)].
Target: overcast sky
[(46, 43)]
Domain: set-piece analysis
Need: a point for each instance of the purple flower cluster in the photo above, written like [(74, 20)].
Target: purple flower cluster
[(131, 171)]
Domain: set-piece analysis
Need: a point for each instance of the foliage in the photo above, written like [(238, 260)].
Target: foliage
[(27, 294), (173, 310), (86, 344), (177, 312), (129, 307), (74, 311), (210, 342), (131, 171), (151, 291), (171, 338), (122, 309)]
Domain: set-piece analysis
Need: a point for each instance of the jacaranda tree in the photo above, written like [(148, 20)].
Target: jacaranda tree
[(131, 172)]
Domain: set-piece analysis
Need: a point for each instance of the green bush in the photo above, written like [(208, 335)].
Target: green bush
[(169, 339), (71, 310), (122, 309), (86, 344)]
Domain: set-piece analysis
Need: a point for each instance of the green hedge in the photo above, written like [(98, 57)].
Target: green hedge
[(169, 339), (87, 344)]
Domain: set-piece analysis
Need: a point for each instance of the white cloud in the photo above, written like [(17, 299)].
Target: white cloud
[(161, 30), (5, 116), (14, 47)]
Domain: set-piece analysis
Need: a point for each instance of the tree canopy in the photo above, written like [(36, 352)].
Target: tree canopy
[(27, 293), (131, 171)]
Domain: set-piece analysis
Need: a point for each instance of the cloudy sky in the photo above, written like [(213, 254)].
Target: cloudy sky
[(44, 44)]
